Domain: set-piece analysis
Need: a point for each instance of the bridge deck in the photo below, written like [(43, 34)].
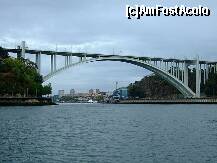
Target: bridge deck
[(64, 53)]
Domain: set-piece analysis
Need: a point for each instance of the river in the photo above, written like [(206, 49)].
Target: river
[(109, 133)]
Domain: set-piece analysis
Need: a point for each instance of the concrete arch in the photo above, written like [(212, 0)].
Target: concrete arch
[(185, 90)]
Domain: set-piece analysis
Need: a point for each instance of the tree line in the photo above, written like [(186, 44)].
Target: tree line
[(153, 86), (19, 77)]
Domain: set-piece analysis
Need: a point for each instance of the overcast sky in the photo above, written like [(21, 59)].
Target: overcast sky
[(100, 26)]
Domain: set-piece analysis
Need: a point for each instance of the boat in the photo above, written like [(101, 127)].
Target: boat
[(91, 101)]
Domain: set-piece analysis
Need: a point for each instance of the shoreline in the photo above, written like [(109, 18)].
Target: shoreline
[(25, 101), (171, 101)]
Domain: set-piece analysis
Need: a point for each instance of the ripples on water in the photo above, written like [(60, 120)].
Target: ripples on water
[(109, 133)]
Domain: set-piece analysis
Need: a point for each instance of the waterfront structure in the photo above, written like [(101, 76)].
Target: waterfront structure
[(120, 93), (97, 91), (61, 93), (91, 91), (174, 71), (72, 92), (82, 94), (55, 98)]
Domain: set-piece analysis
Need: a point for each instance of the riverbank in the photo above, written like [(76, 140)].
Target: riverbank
[(171, 101), (27, 101)]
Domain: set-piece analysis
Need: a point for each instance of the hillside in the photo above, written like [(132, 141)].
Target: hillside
[(154, 87)]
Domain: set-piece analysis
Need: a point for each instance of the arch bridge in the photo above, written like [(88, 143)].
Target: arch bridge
[(174, 71)]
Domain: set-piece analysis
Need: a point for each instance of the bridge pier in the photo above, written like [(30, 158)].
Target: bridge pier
[(173, 69), (207, 71), (182, 78), (55, 62), (161, 64), (167, 64), (209, 68), (19, 53), (65, 61), (70, 59), (23, 46), (178, 70), (214, 68), (185, 73), (52, 63), (198, 78), (38, 61), (204, 73)]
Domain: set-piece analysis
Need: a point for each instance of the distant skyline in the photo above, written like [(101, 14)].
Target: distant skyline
[(101, 27)]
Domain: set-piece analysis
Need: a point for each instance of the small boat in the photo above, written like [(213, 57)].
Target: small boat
[(91, 101)]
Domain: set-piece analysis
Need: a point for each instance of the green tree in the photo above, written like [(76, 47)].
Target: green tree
[(20, 76), (211, 85)]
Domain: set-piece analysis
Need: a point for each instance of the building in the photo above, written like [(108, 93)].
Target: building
[(72, 92), (61, 93), (120, 93), (91, 91), (97, 91), (82, 94), (55, 98)]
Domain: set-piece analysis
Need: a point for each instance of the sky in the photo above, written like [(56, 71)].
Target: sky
[(100, 26)]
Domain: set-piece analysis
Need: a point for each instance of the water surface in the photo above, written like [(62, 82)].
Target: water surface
[(109, 133)]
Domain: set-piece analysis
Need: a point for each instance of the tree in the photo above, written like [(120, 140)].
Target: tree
[(47, 89), (3, 54), (151, 86), (211, 85), (20, 76)]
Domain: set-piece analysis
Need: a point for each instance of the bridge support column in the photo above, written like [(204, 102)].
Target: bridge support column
[(182, 72), (214, 68), (207, 71), (55, 62), (23, 46), (65, 61), (18, 53), (170, 67), (69, 60), (204, 74), (198, 78), (173, 69), (167, 66), (52, 62), (38, 62), (185, 73), (178, 70)]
